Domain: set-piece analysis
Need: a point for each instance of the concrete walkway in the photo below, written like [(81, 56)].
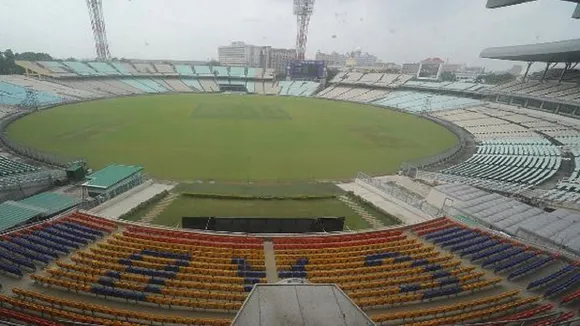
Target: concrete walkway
[(405, 212), (124, 203), (270, 262), (159, 208), (369, 218)]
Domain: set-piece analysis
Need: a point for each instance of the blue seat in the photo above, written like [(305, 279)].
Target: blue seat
[(454, 241), (124, 294), (563, 286), (467, 244), (150, 272), (529, 268), (514, 261), (409, 287), (10, 268), (83, 228), (479, 247), (502, 256), (35, 247), (14, 248), (490, 252), (163, 254), (439, 233), (382, 255), (552, 277), (79, 234), (419, 262), (453, 235), (17, 260), (441, 292), (448, 281)]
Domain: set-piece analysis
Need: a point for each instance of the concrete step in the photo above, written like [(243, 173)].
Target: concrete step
[(369, 218), (159, 208)]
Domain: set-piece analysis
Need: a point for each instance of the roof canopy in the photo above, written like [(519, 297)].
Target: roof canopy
[(561, 51), (504, 3), (111, 175)]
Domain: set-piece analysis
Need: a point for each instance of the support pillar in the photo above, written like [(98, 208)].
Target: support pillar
[(566, 68), (545, 71), (527, 70)]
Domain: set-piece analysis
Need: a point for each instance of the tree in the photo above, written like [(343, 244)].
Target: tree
[(7, 64), (448, 76), (8, 60), (33, 56)]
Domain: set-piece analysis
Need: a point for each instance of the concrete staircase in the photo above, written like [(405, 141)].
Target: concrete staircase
[(370, 219), (160, 207), (270, 262)]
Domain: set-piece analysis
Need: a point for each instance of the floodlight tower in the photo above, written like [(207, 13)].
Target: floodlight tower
[(303, 11), (99, 32)]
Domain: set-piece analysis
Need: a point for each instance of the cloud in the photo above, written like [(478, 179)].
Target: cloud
[(394, 30)]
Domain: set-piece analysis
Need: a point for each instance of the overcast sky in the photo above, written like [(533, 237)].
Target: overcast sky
[(394, 30)]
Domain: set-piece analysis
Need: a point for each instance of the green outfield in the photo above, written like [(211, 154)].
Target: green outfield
[(235, 138)]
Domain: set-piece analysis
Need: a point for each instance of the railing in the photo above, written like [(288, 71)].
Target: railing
[(399, 193), (441, 157), (527, 238)]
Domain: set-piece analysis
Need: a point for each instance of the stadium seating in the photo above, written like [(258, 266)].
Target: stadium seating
[(103, 68), (151, 266), (378, 269), (178, 85), (203, 71), (184, 70), (12, 94), (144, 68), (516, 162), (239, 72), (64, 92), (193, 84), (124, 68), (164, 68), (81, 68), (220, 71), (208, 85), (37, 301)]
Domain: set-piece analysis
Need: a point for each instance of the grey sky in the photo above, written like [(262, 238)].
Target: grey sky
[(394, 30)]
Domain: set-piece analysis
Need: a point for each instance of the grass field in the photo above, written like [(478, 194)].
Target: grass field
[(186, 206), (260, 189), (235, 138)]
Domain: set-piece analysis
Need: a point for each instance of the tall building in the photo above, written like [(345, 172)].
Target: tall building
[(332, 59), (363, 59), (356, 58), (280, 58), (240, 54), (410, 68)]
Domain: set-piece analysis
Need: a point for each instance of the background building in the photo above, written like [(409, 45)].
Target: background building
[(279, 59), (353, 59), (242, 54), (410, 68), (332, 59)]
